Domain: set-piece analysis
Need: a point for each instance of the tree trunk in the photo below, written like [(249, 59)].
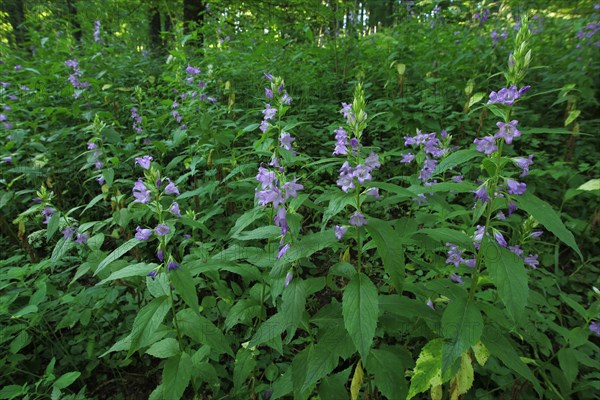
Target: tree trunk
[(73, 17), (155, 29), (193, 13)]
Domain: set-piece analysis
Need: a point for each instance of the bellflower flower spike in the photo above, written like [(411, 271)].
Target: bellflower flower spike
[(355, 144), (478, 235), (268, 93), (264, 126), (273, 195), (192, 70), (507, 131), (481, 194), (347, 111), (172, 265), (340, 231), (500, 239), (516, 188), (486, 145), (506, 96), (372, 161), (286, 99), (162, 230), (92, 146), (361, 173), (595, 327), (407, 158), (454, 255), (523, 163), (373, 192), (288, 279), (97, 32), (285, 141), (140, 192), (291, 189), (81, 239), (456, 278), (144, 161), (283, 250), (171, 188), (357, 219), (341, 145), (175, 209), (68, 232), (532, 261), (269, 112), (143, 234), (265, 177), (280, 220)]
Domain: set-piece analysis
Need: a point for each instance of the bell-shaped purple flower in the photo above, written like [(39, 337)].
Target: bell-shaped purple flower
[(144, 161), (516, 188), (171, 188), (340, 231), (143, 234), (507, 131), (162, 230), (175, 209), (357, 219), (487, 145)]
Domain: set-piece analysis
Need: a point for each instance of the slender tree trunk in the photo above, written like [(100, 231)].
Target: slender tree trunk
[(156, 43), (193, 12), (73, 17)]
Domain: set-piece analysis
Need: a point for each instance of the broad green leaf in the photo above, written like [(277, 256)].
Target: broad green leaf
[(10, 392), (139, 269), (292, 308), (388, 371), (360, 308), (500, 347), (462, 187), (508, 273), (184, 285), (19, 342), (305, 247), (62, 246), (53, 225), (147, 322), (245, 220), (269, 329), (243, 310), (446, 235), (389, 249), (336, 205), (164, 349), (575, 305), (462, 326), (116, 254), (390, 187), (567, 359), (357, 380), (91, 204), (66, 380), (310, 365), (176, 376), (572, 116), (455, 159), (243, 367), (203, 331), (428, 370), (264, 232), (591, 185), (545, 215), (463, 380)]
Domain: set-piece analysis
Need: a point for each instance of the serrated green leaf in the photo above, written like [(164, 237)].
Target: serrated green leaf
[(572, 116), (147, 322), (462, 326), (292, 308), (176, 376), (388, 371), (500, 347), (455, 159), (272, 327), (242, 310), (243, 367), (139, 269), (567, 359), (53, 225), (591, 185), (10, 392), (545, 215), (62, 246), (164, 349), (184, 285), (463, 380), (508, 274), (360, 308), (203, 331), (481, 353), (116, 254), (390, 250), (66, 380), (357, 380)]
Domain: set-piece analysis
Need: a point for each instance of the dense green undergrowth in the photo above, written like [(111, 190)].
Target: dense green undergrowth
[(408, 212)]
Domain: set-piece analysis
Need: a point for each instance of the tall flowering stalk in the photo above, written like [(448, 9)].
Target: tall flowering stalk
[(276, 188), (359, 164), (501, 187), (74, 78)]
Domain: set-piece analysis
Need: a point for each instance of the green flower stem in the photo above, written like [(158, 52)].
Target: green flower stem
[(358, 238), (179, 340)]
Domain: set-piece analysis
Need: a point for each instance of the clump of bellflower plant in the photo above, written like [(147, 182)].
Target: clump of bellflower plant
[(74, 76), (158, 194), (276, 188), (190, 96), (360, 163)]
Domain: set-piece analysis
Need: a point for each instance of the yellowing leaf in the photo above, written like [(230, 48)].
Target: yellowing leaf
[(357, 381), (463, 380), (481, 353), (593, 184)]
